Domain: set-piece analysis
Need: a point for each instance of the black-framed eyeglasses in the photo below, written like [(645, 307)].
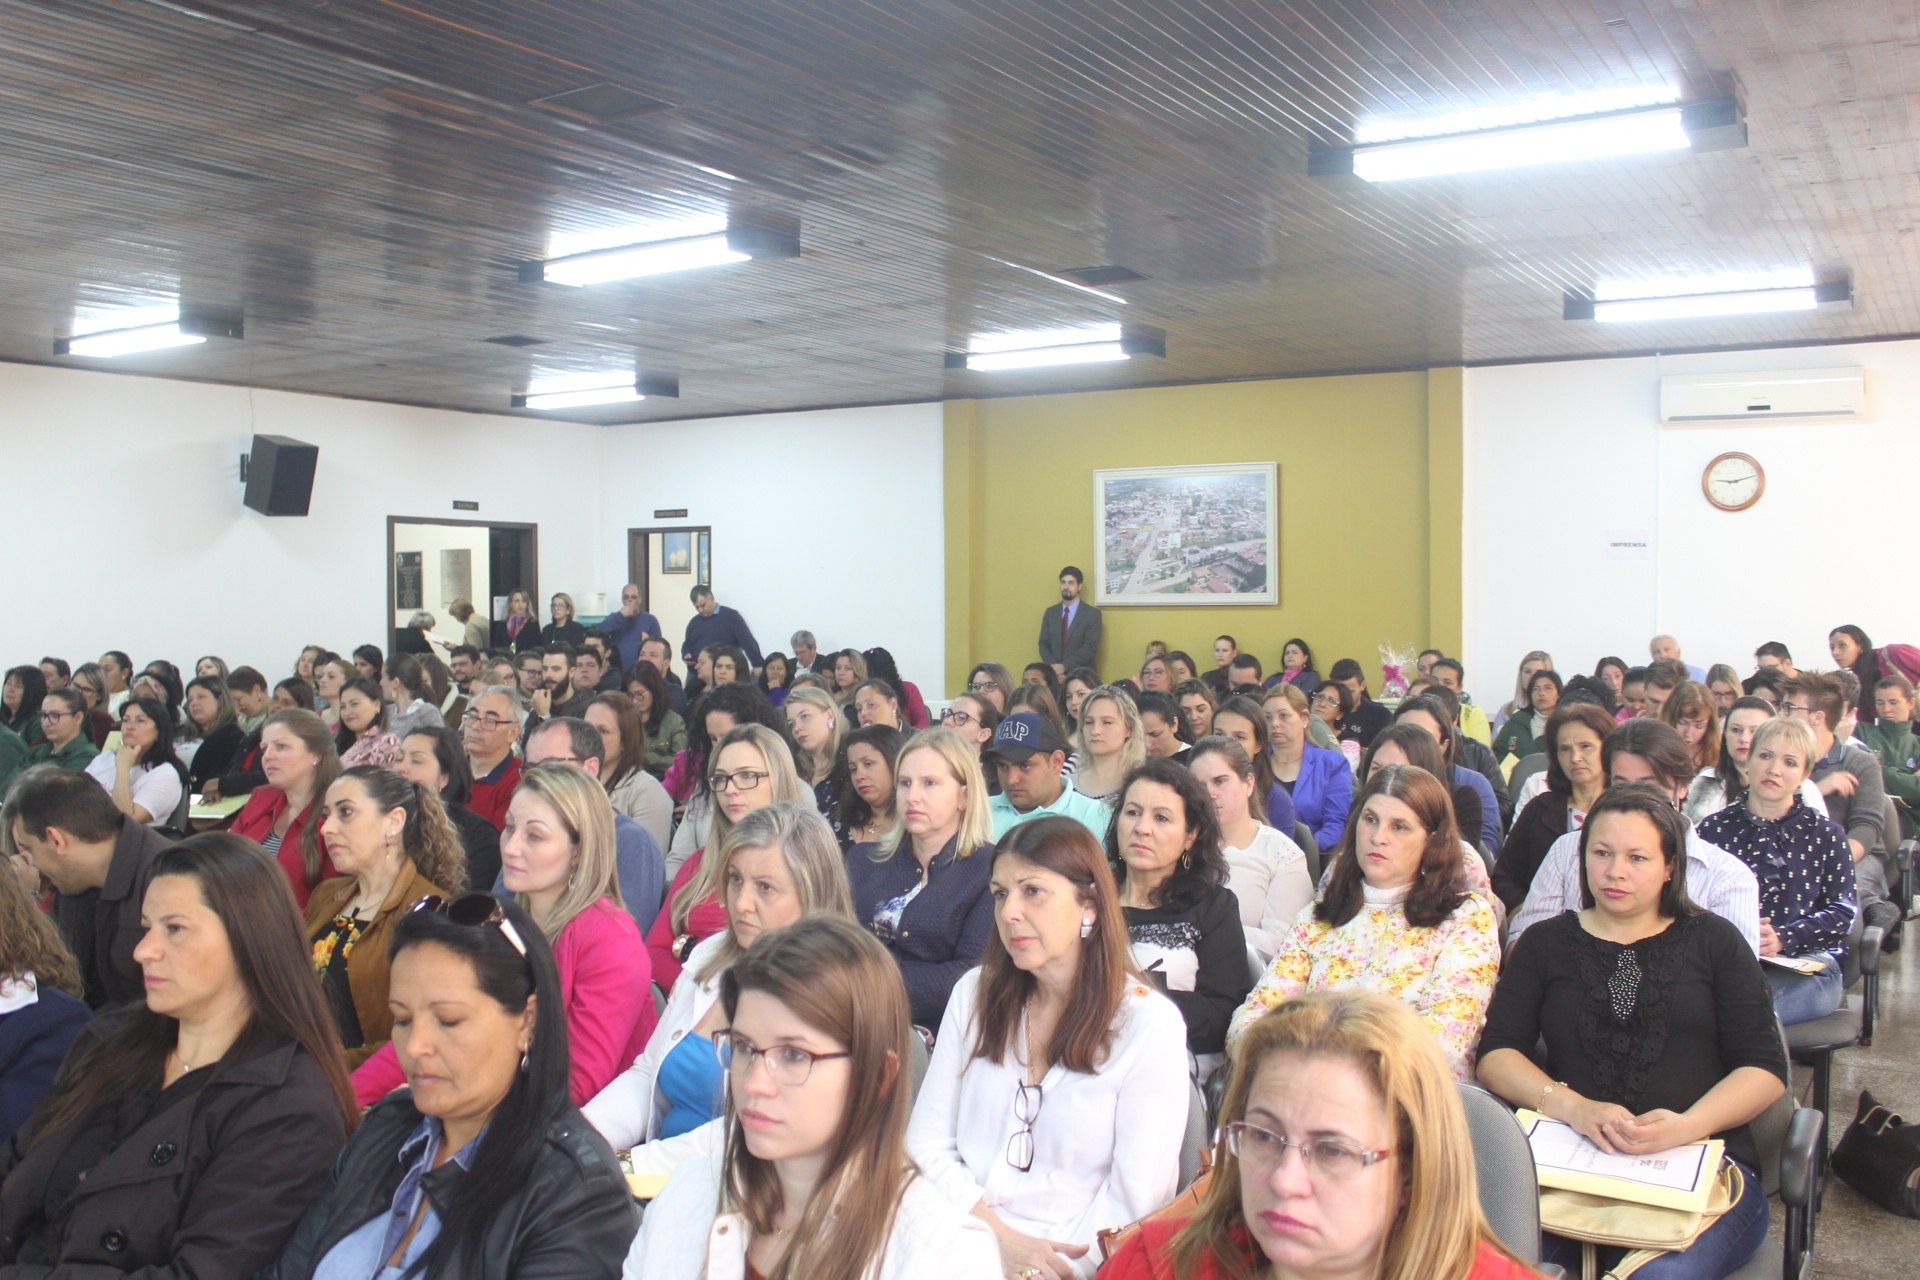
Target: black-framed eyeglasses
[(961, 718), (489, 721), (474, 910), (1026, 1109), (739, 780), (788, 1064), (983, 686), (1326, 1159)]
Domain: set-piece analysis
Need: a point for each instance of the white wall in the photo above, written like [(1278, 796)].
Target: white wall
[(829, 521), (153, 552), (1559, 455)]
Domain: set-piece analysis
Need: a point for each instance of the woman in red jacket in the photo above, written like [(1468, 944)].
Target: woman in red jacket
[(1343, 1151), (298, 759)]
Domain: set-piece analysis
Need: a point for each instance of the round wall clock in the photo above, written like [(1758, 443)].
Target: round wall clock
[(1733, 482)]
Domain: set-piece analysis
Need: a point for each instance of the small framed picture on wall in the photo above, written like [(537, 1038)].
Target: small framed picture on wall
[(676, 552)]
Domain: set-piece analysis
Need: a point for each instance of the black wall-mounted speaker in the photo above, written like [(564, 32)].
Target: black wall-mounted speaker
[(280, 475)]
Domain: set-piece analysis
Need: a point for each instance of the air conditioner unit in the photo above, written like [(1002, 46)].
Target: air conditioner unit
[(1794, 393)]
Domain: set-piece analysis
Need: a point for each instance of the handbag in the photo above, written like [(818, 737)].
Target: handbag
[(1645, 1231), (1184, 1205), (1879, 1156)]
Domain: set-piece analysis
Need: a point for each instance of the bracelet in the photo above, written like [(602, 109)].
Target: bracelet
[(1546, 1090)]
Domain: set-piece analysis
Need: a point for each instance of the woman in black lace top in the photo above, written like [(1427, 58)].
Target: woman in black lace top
[(1658, 1027)]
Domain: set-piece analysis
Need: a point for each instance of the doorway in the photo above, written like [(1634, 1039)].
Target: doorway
[(430, 563), (666, 564)]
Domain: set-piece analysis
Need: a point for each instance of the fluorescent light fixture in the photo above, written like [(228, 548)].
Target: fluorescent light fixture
[(178, 330), (659, 257), (1702, 126), (1694, 306), (1035, 349), (584, 390)]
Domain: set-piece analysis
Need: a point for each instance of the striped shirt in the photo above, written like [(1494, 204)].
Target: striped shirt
[(1716, 880)]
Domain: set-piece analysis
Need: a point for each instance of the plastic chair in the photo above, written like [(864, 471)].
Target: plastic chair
[(917, 1059), (1509, 1188), (1196, 1139), (1303, 836), (1523, 769), (1789, 1140), (1255, 965)]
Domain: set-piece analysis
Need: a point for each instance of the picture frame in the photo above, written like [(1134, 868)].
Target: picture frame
[(1197, 536), (676, 552)]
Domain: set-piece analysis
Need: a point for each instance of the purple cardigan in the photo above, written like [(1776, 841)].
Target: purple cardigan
[(1323, 793)]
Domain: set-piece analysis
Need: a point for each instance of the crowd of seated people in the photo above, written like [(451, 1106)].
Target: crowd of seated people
[(399, 962)]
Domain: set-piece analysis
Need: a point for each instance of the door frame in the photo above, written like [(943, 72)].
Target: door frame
[(533, 544), (640, 567)]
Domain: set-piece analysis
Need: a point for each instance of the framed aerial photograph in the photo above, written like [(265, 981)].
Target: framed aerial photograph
[(676, 553), (1187, 535)]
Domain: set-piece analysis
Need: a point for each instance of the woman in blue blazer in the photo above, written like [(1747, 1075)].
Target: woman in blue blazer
[(38, 1020), (1321, 780)]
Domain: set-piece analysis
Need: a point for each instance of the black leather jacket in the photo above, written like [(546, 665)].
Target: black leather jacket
[(573, 1220)]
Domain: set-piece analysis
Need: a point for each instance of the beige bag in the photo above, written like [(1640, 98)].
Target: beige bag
[(1645, 1231)]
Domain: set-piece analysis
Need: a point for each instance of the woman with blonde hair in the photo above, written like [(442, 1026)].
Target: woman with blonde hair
[(1342, 1150), (392, 843), (817, 725), (779, 864), (751, 767), (815, 1180), (41, 1010), (1110, 743), (557, 858), (565, 627), (922, 888), (519, 629)]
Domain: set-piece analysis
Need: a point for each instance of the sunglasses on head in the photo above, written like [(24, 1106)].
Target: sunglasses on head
[(474, 910)]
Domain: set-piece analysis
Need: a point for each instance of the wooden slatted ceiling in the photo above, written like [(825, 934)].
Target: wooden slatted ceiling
[(359, 178)]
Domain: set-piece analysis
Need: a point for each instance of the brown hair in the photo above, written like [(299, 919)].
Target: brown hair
[(311, 730), (1237, 759), (1694, 700), (1594, 717), (1085, 1031), (428, 838), (1824, 693), (1438, 1226), (31, 943), (253, 900), (633, 739), (836, 978), (1440, 887)]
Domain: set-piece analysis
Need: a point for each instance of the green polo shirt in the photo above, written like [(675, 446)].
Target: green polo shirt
[(13, 756), (1095, 815), (74, 757)]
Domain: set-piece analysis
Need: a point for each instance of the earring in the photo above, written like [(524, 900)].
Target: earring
[(1086, 926), (524, 1055), (1186, 862)]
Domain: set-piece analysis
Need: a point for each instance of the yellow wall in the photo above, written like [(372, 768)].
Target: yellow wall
[(1369, 532)]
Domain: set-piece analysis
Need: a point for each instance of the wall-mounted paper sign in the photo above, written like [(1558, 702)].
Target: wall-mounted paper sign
[(1629, 544)]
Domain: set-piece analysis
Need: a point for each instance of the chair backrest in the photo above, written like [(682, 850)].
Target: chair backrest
[(1524, 768), (1769, 1130), (916, 1065), (1194, 1141), (1509, 1188), (1303, 836), (1255, 965)]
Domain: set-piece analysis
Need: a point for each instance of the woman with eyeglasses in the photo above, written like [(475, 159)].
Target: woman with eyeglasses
[(815, 1179), (973, 718), (666, 729), (186, 1134), (393, 846), (1397, 916), (142, 775), (1691, 711), (481, 1168), (91, 683), (1343, 1151), (993, 682), (752, 767), (565, 627), (1051, 1107), (779, 864), (557, 859), (922, 888)]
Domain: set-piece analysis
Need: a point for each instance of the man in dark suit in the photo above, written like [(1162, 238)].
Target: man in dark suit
[(1070, 630)]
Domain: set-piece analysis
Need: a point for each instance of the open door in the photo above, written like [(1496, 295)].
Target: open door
[(430, 563), (666, 563)]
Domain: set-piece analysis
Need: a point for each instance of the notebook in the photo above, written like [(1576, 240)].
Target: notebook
[(1679, 1178)]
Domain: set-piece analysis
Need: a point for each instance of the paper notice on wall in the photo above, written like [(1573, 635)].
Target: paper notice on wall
[(1629, 544)]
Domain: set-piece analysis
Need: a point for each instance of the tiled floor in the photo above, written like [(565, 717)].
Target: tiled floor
[(1857, 1239)]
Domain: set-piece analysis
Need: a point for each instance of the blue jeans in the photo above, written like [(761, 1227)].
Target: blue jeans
[(1799, 997), (1719, 1251)]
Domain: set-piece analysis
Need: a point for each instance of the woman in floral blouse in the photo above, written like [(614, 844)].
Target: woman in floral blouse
[(1397, 918), (1800, 857)]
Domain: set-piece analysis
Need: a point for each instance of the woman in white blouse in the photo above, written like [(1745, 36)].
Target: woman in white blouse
[(1054, 1104), (142, 776), (1266, 870), (814, 1179), (777, 865)]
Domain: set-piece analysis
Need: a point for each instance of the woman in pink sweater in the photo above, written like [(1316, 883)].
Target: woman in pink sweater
[(557, 859)]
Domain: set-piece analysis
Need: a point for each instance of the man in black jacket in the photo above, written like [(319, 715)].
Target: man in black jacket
[(99, 861)]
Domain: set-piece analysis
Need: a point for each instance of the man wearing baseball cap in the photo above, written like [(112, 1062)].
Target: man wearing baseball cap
[(1028, 755)]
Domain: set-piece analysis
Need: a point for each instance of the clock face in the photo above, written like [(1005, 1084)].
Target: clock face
[(1733, 482)]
